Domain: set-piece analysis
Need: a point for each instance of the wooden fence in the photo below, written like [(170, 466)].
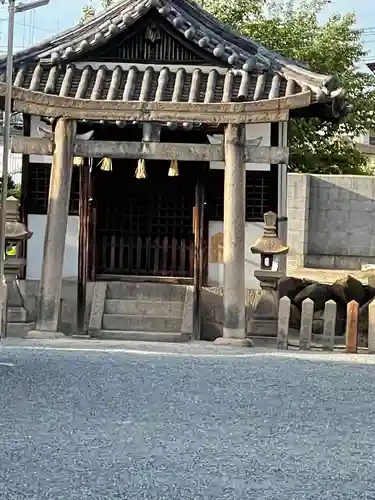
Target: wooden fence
[(145, 256), (327, 340)]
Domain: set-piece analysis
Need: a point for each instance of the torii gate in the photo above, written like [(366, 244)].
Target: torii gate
[(235, 152)]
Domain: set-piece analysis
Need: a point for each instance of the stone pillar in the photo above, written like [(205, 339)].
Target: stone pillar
[(234, 329), (48, 307)]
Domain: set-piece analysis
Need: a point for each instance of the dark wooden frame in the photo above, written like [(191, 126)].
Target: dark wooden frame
[(96, 274), (24, 191), (83, 247)]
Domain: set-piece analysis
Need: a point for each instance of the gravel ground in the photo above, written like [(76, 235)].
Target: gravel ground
[(196, 423)]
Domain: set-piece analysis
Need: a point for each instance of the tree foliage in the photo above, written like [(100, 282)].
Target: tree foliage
[(13, 188), (293, 29), (90, 9)]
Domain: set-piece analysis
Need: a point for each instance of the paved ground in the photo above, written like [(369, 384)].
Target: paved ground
[(196, 423)]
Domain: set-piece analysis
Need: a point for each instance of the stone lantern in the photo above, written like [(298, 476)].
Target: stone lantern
[(15, 234), (269, 247)]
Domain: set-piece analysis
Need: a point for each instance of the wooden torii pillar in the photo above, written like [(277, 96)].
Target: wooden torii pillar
[(48, 305), (234, 299)]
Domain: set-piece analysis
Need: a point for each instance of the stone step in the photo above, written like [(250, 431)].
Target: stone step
[(19, 329), (17, 315), (146, 291), (141, 336), (129, 322), (144, 308)]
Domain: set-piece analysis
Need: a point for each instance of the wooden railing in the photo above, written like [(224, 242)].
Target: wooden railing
[(146, 256)]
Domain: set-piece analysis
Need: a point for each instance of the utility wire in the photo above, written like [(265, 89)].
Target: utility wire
[(29, 25)]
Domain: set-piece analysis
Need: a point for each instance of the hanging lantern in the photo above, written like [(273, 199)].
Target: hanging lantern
[(106, 164), (140, 171), (173, 169), (77, 161)]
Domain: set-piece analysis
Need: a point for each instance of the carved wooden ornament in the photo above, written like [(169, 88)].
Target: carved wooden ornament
[(217, 245)]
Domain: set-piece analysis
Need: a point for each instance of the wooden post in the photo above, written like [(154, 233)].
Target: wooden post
[(48, 309), (283, 323), (306, 325), (371, 327), (83, 246), (197, 222), (92, 223), (329, 328), (234, 329), (282, 197), (351, 326)]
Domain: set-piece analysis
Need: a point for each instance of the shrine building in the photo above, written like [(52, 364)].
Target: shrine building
[(155, 139)]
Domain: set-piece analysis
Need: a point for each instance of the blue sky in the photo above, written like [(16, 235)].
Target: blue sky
[(34, 26)]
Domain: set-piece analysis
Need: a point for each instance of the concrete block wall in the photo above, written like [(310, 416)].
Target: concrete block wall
[(331, 223), (298, 218)]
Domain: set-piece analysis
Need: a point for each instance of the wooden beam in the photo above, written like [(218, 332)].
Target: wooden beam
[(150, 150), (144, 115), (267, 110), (31, 145), (266, 154)]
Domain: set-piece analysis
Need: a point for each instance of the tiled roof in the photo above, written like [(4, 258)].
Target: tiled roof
[(191, 21), (254, 73), (153, 83)]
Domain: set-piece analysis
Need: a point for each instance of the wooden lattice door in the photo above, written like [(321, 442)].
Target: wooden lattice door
[(144, 227)]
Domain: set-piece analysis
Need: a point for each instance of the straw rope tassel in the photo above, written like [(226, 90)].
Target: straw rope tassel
[(78, 161), (140, 172), (173, 169), (106, 164)]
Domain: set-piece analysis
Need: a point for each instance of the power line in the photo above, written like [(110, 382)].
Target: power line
[(28, 25)]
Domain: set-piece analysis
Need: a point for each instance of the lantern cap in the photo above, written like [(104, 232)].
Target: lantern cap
[(14, 229), (269, 243)]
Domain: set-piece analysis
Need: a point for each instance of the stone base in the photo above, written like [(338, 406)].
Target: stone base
[(264, 341), (142, 336), (19, 329), (263, 327), (264, 321), (17, 315), (44, 335), (234, 342)]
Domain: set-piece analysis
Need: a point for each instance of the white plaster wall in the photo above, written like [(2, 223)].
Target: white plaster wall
[(14, 164), (253, 230), (37, 224), (35, 121), (253, 131), (364, 138)]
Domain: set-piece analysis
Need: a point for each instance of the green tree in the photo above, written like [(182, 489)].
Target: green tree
[(89, 9), (293, 29), (13, 188)]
